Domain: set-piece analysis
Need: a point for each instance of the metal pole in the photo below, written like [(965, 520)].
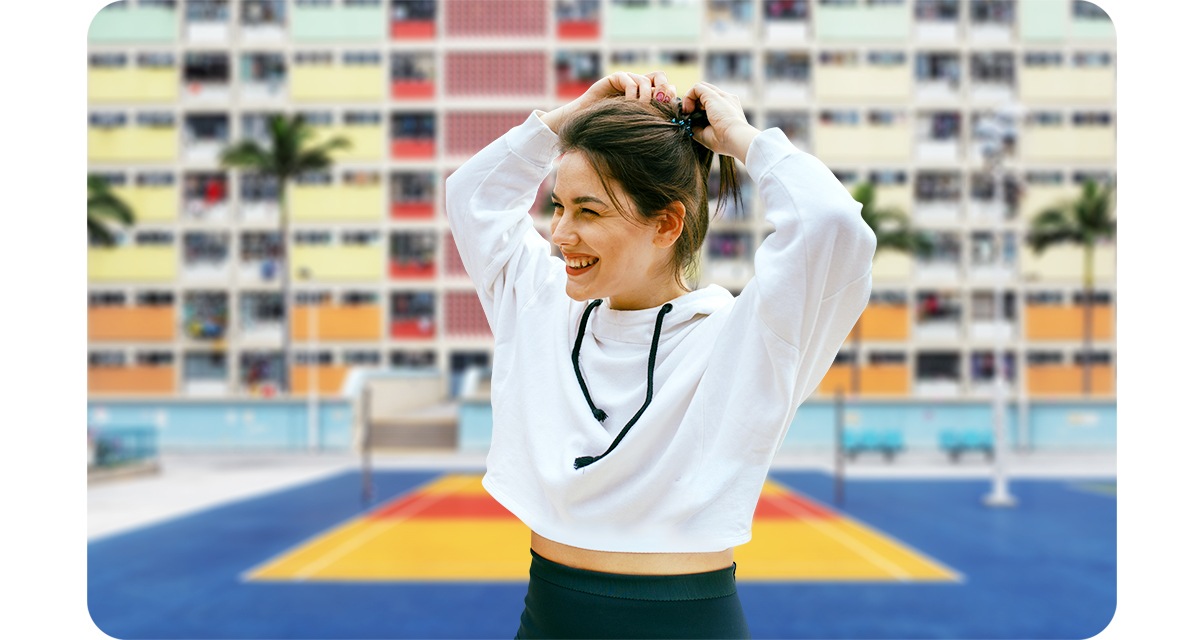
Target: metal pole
[(999, 496), (838, 476), (366, 444)]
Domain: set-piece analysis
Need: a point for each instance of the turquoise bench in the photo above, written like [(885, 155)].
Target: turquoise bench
[(961, 441), (888, 442)]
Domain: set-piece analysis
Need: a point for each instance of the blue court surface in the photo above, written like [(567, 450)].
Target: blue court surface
[(1045, 568)]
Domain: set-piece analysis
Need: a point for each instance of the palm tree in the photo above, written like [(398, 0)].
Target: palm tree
[(893, 230), (105, 208), (1084, 222), (285, 157)]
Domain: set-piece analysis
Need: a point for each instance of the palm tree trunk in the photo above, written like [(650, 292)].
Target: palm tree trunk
[(286, 302), (1088, 294)]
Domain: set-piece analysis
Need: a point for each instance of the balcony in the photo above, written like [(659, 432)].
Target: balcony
[(845, 139), (656, 22), (1056, 84), (787, 22), (1064, 263), (329, 378), (152, 201), (262, 21), (1067, 380), (132, 144), (884, 321), (1065, 322), (863, 82), (128, 23), (336, 23), (873, 380), (339, 262), (133, 84), (1061, 143), (338, 82)]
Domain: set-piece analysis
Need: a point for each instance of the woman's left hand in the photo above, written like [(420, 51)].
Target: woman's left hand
[(728, 132)]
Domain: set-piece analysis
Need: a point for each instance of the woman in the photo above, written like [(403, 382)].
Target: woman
[(634, 420)]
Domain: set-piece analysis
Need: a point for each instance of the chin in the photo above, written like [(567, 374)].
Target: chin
[(578, 294)]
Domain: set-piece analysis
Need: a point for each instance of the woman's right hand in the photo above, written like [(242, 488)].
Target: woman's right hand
[(646, 87)]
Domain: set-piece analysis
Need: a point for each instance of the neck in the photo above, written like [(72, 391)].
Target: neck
[(648, 299)]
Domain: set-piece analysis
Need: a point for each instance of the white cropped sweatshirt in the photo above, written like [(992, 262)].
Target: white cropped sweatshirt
[(728, 372)]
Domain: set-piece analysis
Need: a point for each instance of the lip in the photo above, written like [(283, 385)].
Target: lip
[(576, 272)]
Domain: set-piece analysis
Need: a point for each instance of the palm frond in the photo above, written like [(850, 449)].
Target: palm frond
[(247, 154)]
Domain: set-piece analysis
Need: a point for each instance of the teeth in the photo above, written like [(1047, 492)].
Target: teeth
[(579, 263)]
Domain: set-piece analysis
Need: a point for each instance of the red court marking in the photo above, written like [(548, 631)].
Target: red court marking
[(789, 507), (448, 506)]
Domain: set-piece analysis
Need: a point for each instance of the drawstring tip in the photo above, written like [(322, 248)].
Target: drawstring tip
[(583, 461), (600, 415)]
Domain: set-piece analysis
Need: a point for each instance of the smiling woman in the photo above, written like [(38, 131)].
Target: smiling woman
[(634, 520)]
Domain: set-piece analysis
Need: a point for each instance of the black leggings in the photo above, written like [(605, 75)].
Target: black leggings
[(564, 602)]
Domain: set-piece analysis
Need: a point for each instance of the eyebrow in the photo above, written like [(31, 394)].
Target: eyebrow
[(582, 199)]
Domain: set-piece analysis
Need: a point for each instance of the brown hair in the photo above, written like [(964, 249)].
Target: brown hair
[(655, 161)]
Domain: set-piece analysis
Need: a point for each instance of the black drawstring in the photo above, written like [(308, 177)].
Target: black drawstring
[(598, 413)]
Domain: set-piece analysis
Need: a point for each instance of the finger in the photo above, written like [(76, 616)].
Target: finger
[(697, 97), (645, 87), (621, 83), (660, 86), (632, 89)]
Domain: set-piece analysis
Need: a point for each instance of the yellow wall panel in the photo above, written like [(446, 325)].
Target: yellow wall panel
[(131, 323), (1069, 143), (1065, 322), (862, 83), (132, 144), (151, 203), (893, 197), (885, 380), (1063, 84), (1066, 263), (863, 143), (891, 265), (154, 264), (337, 202), (328, 83), (1039, 197), (340, 263), (357, 322), (133, 85), (367, 142)]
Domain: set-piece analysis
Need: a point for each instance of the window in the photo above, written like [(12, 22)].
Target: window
[(259, 245), (1097, 297), (263, 67), (984, 306), (629, 59), (312, 298), (938, 66), (206, 247), (156, 119), (1043, 59), (1044, 119), (412, 10), (729, 245), (839, 118), (260, 367), (838, 58), (992, 67), (361, 118), (1099, 177), (361, 358), (361, 177), (679, 58), (257, 308), (206, 67), (936, 10), (787, 66), (153, 238), (937, 306), (156, 60), (774, 10), (938, 185), (202, 127), (419, 67), (206, 314), (886, 58), (1045, 298), (256, 187), (886, 118), (795, 124), (1091, 118), (209, 365), (888, 298), (1092, 59), (361, 3), (724, 66), (317, 118), (361, 58), (155, 298), (107, 60), (983, 369), (313, 237), (207, 11), (206, 187), (113, 179), (945, 125), (413, 125), (360, 238), (157, 4), (106, 359), (413, 305), (321, 358), (938, 365), (315, 177), (413, 248), (1096, 357), (260, 12), (411, 359), (356, 298), (1044, 357), (106, 299), (412, 187), (154, 179), (992, 11), (885, 178), (887, 357), (1044, 177), (106, 120), (313, 58), (1084, 10)]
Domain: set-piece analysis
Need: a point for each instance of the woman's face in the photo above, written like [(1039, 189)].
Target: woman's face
[(606, 253)]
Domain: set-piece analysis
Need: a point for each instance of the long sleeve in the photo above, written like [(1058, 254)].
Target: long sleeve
[(811, 283), (488, 202)]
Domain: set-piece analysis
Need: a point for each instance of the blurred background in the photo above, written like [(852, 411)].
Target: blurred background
[(217, 323), (289, 370)]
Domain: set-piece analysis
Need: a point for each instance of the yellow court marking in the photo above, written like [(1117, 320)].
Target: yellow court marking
[(451, 530)]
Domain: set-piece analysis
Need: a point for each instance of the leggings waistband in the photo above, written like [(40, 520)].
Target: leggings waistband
[(690, 586)]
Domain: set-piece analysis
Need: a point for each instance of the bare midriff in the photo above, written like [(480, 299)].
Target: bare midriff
[(652, 564)]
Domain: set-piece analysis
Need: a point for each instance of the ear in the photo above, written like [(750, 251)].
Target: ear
[(669, 224)]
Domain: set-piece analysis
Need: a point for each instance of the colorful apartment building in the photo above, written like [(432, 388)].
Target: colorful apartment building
[(890, 91)]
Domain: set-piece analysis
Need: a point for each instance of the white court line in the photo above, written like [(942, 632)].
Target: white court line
[(857, 547), (349, 545)]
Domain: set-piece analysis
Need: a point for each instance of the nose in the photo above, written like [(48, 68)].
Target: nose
[(563, 232)]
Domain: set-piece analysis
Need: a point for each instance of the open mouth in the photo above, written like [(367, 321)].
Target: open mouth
[(578, 266)]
